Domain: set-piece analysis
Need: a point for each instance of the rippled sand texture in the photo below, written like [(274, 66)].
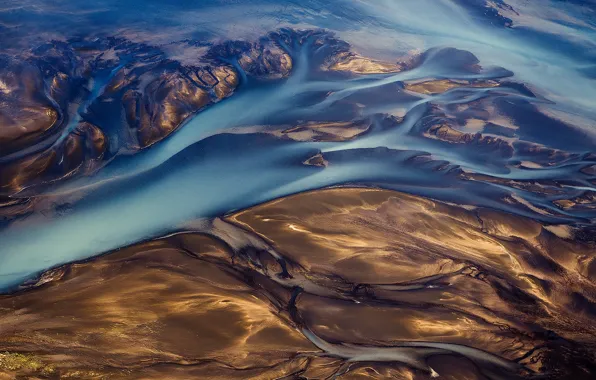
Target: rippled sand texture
[(338, 283)]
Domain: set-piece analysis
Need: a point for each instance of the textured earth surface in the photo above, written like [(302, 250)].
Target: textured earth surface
[(298, 189)]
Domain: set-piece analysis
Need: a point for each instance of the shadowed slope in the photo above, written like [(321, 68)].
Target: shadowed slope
[(333, 283)]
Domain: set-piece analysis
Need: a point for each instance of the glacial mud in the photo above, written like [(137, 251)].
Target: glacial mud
[(278, 115), (297, 189), (341, 283)]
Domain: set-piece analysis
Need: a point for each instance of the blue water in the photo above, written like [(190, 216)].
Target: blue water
[(225, 158)]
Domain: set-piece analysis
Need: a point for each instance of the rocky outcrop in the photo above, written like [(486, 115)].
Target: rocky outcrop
[(62, 104), (447, 133), (81, 151), (34, 95), (161, 106)]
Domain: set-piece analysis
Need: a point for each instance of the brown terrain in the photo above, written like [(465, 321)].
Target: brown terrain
[(337, 283)]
